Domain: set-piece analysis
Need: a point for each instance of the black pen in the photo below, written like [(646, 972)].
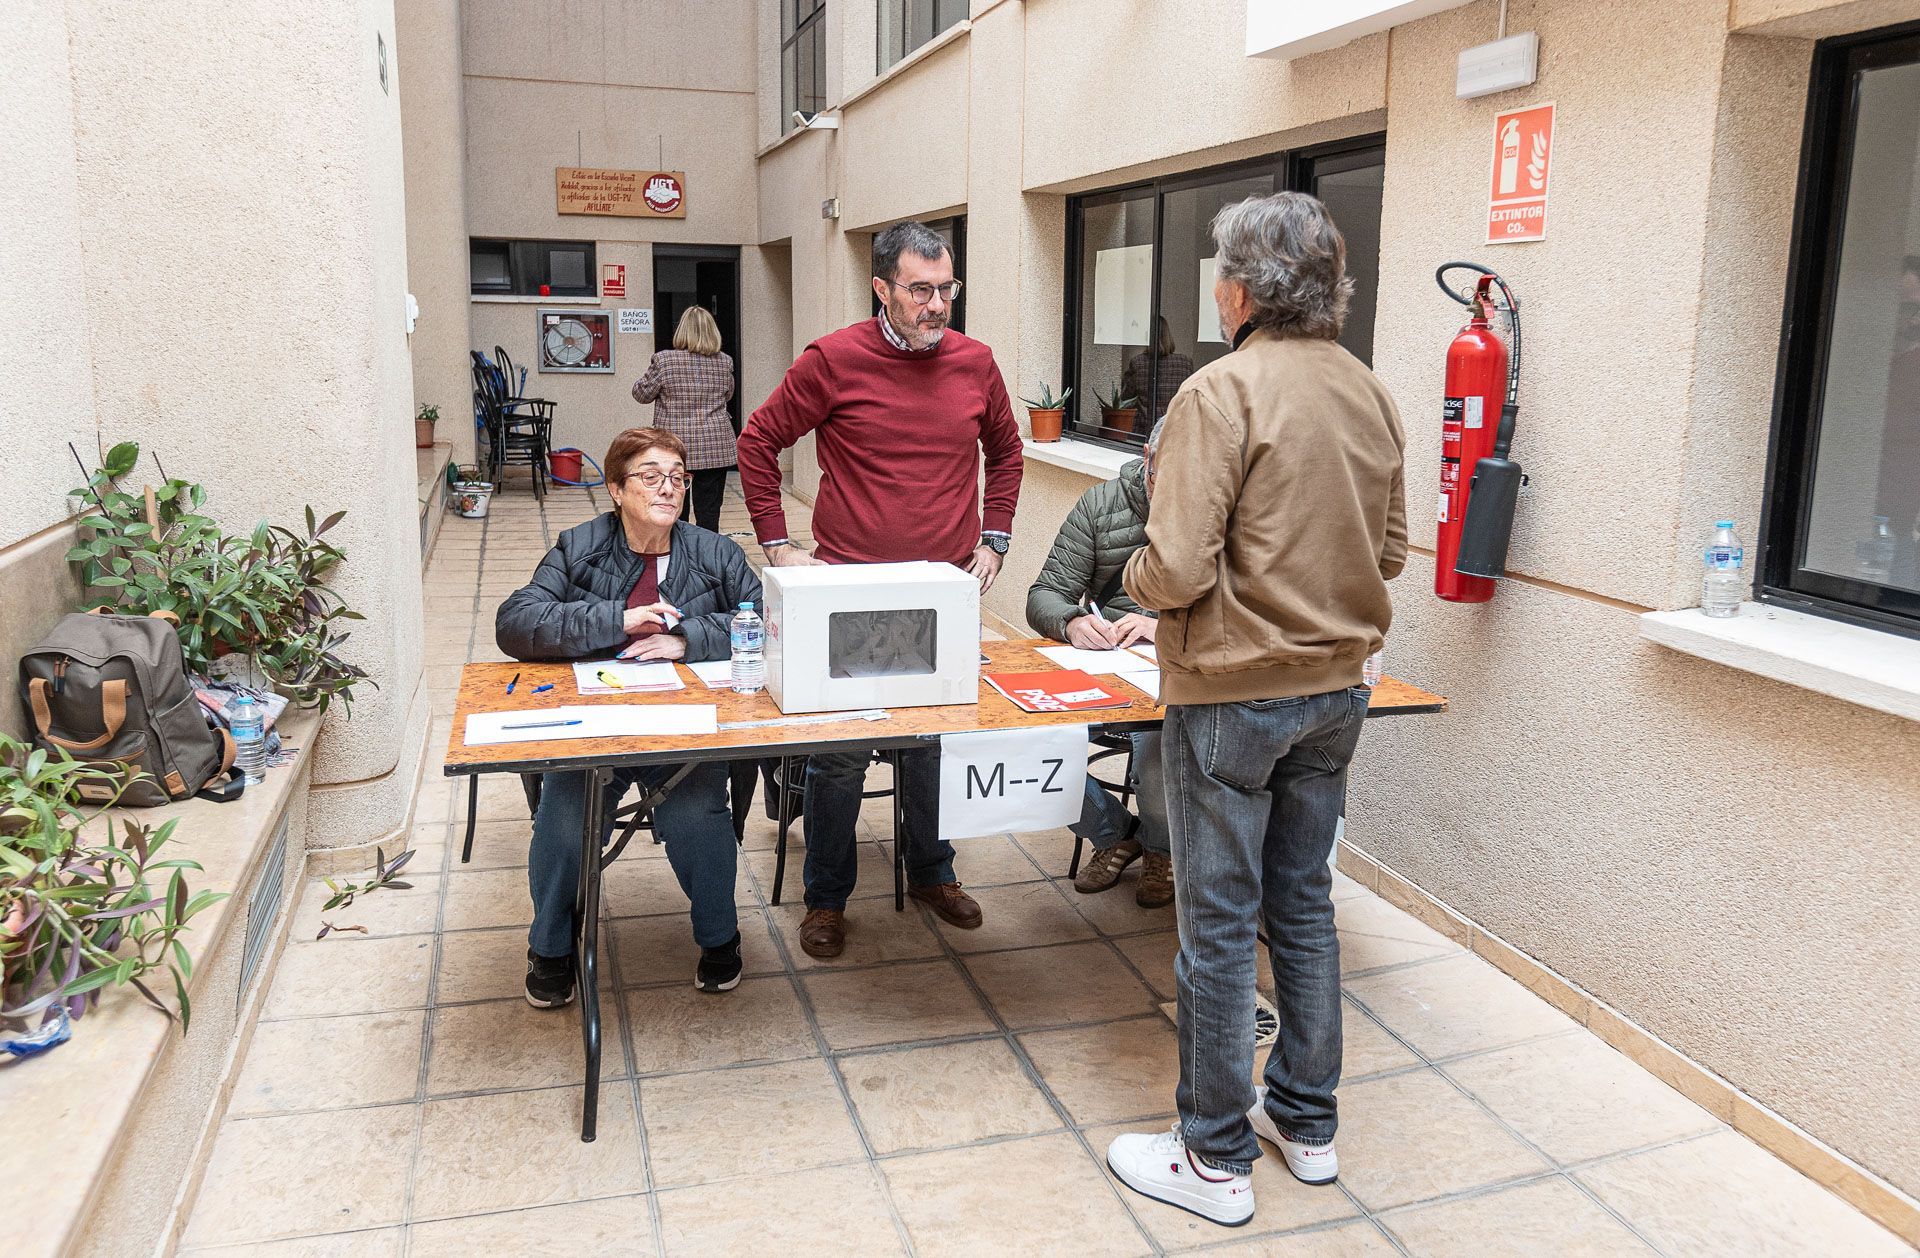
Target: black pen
[(513, 683)]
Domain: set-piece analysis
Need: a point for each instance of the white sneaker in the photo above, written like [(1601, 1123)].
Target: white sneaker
[(1310, 1163), (1160, 1167)]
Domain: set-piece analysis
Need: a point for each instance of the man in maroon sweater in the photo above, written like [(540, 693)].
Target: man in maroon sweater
[(901, 409)]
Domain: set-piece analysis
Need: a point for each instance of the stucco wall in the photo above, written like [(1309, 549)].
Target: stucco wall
[(239, 193), (434, 132)]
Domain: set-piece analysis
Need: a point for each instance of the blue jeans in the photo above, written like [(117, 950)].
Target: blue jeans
[(693, 820), (835, 782), (1103, 818), (1255, 791)]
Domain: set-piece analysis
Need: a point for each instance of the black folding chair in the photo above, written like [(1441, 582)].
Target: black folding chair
[(786, 798), (519, 430), (1112, 745)]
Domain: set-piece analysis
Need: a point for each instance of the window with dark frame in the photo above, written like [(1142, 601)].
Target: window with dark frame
[(905, 25), (1140, 315), (1840, 531), (517, 268), (803, 59)]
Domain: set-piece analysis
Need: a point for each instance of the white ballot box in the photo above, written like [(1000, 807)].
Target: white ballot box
[(877, 635)]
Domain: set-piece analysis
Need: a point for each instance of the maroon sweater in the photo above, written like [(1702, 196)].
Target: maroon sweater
[(899, 437)]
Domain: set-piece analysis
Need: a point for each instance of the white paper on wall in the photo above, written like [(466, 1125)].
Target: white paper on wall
[(1122, 295), (1209, 312), (1011, 780)]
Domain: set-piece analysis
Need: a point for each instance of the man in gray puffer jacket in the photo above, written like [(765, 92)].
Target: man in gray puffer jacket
[(1077, 599)]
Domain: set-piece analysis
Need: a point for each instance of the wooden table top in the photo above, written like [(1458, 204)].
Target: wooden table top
[(483, 688)]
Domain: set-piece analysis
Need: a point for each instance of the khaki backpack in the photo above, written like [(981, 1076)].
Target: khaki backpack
[(108, 688)]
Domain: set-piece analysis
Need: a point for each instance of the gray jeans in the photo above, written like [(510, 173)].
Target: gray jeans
[(1254, 791)]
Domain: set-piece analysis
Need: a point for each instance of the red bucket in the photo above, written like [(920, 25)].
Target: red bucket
[(565, 465)]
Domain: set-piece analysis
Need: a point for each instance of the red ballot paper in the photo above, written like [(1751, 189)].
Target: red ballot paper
[(1057, 690)]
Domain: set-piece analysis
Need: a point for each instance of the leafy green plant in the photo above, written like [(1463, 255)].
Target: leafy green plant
[(264, 594), (80, 910), (383, 878), (429, 413), (1048, 402), (1115, 400)]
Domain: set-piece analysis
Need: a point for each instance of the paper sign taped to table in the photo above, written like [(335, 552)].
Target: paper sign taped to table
[(1011, 780), (598, 720)]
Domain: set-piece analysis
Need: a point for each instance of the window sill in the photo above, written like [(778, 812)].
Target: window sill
[(1875, 670), (515, 299), (1084, 457)]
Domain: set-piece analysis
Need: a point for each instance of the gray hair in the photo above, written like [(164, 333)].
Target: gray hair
[(1153, 438), (1292, 260), (907, 237)]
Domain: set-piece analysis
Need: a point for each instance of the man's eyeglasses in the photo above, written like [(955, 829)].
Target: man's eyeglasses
[(651, 478), (923, 293)]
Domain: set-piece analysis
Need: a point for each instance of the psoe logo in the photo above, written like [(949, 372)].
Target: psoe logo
[(662, 194)]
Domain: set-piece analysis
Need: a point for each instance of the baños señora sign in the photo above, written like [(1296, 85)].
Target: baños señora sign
[(620, 193)]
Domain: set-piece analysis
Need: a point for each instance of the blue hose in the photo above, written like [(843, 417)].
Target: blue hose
[(577, 484)]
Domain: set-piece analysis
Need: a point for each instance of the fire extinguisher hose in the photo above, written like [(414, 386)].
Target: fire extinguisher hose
[(1503, 436)]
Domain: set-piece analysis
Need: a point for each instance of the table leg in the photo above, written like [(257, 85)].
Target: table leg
[(586, 951), (473, 806), (899, 837), (786, 823)]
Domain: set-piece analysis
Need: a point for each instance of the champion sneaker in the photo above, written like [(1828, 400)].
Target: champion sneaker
[(1160, 1167), (719, 969), (549, 980), (1310, 1163)]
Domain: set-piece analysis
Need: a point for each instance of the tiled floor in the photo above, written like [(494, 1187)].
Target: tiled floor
[(933, 1091)]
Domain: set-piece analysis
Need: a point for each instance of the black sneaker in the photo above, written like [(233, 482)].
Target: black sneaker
[(719, 967), (549, 980)]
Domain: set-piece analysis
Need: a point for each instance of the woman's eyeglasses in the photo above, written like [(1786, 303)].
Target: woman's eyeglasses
[(652, 477), (923, 293)]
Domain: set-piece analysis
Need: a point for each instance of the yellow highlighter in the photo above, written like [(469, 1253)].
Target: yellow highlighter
[(609, 679)]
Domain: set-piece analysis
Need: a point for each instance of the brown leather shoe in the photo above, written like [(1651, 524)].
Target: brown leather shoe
[(823, 933), (955, 907), (1156, 882), (1103, 868)]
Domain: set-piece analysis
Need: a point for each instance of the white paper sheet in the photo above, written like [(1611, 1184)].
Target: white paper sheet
[(1147, 683), (1145, 649), (632, 675), (717, 674), (1114, 661), (599, 720)]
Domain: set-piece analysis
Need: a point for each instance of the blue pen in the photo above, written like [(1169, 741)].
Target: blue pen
[(513, 683), (539, 724), (538, 689)]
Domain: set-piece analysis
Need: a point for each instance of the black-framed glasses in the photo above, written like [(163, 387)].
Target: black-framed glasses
[(923, 293), (651, 478)]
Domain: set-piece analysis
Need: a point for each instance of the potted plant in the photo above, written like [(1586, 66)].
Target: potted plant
[(264, 595), (1047, 412), (1116, 409), (82, 910), (470, 492), (423, 426)]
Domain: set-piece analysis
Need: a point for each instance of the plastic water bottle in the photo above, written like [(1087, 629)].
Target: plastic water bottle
[(749, 652), (1725, 580), (1875, 554), (247, 723), (1371, 670)]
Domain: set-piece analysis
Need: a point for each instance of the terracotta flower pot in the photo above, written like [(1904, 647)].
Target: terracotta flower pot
[(423, 434), (1046, 424), (1118, 421)]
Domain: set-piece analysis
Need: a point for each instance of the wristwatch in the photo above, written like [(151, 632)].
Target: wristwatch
[(996, 542)]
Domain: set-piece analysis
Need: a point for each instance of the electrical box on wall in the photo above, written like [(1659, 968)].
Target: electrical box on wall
[(1498, 67)]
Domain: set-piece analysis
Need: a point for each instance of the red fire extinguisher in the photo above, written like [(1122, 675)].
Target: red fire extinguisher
[(1476, 382)]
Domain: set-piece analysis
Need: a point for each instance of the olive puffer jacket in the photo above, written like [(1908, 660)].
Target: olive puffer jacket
[(1104, 528), (574, 606)]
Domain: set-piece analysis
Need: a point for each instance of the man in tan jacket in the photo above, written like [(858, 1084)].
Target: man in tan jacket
[(1278, 518)]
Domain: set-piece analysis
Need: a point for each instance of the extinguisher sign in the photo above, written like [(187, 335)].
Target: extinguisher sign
[(1522, 154)]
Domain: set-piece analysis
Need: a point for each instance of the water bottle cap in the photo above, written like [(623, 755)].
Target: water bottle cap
[(746, 606), (1723, 524)]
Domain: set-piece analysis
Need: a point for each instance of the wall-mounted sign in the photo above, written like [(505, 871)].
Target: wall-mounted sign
[(575, 340), (620, 193), (613, 279), (1522, 151), (636, 320)]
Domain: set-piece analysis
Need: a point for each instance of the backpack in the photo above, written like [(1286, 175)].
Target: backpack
[(107, 688)]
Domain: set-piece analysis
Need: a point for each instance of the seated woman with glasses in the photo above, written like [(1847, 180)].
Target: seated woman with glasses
[(642, 583)]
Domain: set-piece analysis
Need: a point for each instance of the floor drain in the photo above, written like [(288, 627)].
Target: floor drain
[(1266, 1022)]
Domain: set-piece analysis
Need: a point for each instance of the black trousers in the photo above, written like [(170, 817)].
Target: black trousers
[(704, 497)]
